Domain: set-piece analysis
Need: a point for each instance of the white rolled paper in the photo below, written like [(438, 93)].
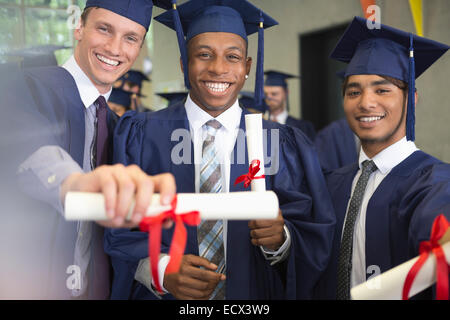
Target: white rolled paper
[(255, 147), (389, 285), (212, 206)]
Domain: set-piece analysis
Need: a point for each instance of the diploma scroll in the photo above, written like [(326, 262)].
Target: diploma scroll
[(212, 206), (255, 147), (389, 285)]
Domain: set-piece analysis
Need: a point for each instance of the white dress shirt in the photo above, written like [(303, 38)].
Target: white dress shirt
[(225, 138), (281, 117), (385, 161)]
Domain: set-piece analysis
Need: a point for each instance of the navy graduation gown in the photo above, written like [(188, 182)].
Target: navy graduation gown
[(306, 126), (399, 214), (42, 107), (335, 145), (145, 140)]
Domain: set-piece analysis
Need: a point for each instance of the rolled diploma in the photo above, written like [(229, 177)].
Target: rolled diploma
[(255, 147), (389, 285), (212, 206)]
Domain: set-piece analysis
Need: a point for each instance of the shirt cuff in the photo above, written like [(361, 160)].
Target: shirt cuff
[(41, 174), (280, 254), (143, 274)]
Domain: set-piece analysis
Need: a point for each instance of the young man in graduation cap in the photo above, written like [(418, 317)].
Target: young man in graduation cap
[(277, 99), (386, 203), (259, 259), (248, 101), (132, 82), (173, 97), (60, 129), (120, 101)]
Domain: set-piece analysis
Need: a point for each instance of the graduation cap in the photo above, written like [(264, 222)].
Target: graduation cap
[(140, 11), (121, 97), (37, 56), (134, 76), (277, 78), (388, 52), (173, 97), (247, 100), (233, 16)]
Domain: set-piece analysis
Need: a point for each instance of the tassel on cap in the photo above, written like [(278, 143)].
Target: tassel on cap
[(181, 42), (410, 115), (259, 89)]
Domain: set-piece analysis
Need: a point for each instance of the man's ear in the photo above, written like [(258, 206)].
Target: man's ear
[(78, 31), (416, 97), (181, 65), (248, 65)]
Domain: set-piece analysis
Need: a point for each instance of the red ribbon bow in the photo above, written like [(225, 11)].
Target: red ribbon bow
[(153, 226), (440, 226), (248, 177)]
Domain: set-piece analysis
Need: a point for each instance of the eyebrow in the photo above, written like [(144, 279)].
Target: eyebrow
[(372, 84), (110, 26), (204, 46)]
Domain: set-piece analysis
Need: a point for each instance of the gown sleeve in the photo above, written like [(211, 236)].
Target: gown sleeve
[(428, 197), (127, 247), (307, 210)]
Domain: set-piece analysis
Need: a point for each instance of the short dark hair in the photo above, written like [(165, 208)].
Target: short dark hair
[(402, 85), (188, 46)]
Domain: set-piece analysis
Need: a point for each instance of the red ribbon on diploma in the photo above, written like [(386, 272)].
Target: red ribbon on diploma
[(248, 177), (153, 226), (440, 226)]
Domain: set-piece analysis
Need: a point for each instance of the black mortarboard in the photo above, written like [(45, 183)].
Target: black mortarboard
[(277, 78), (173, 97)]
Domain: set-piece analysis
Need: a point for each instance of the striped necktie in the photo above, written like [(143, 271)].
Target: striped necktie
[(346, 251), (209, 232)]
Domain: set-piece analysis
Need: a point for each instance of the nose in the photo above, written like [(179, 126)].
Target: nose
[(113, 46), (367, 100), (218, 67)]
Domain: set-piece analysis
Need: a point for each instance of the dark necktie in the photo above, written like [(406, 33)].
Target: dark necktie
[(346, 251), (102, 132)]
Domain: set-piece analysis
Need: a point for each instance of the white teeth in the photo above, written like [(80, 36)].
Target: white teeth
[(107, 61), (370, 119), (217, 87)]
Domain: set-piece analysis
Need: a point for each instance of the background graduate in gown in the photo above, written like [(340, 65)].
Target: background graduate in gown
[(407, 189), (277, 99), (272, 259), (54, 142)]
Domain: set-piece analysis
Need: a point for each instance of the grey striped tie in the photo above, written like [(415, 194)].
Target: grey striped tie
[(346, 251), (209, 232)]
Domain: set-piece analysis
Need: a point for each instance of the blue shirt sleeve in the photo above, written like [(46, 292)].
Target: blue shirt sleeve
[(40, 176)]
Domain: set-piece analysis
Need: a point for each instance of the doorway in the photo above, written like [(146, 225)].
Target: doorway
[(321, 88)]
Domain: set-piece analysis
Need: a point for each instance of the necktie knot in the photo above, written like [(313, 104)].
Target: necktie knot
[(368, 167), (212, 126), (101, 103)]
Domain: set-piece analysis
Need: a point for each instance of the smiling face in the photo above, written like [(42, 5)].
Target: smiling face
[(376, 111), (217, 63), (108, 45)]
